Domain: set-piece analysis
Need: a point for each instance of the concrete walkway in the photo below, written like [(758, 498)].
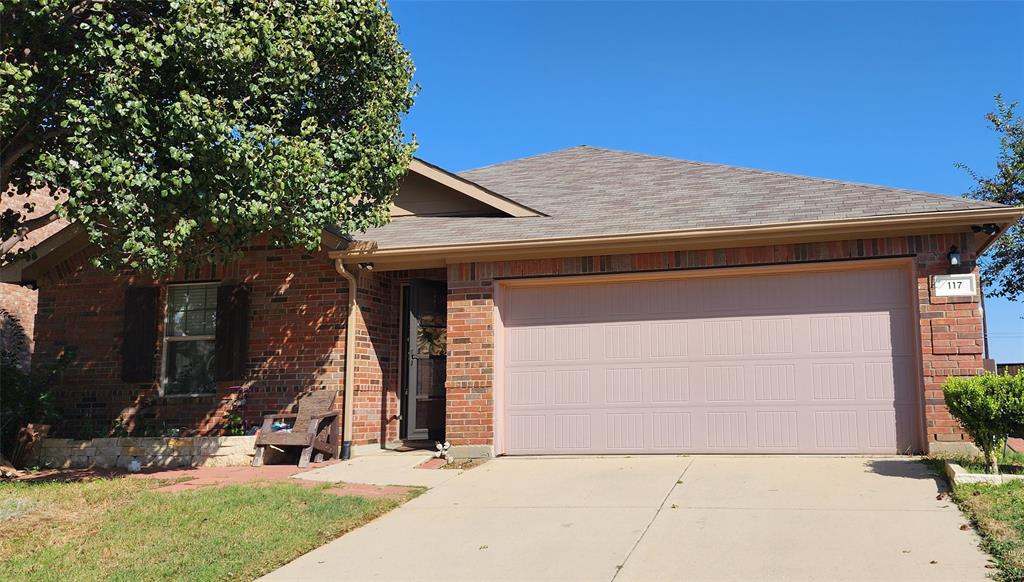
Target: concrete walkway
[(664, 518), (383, 467)]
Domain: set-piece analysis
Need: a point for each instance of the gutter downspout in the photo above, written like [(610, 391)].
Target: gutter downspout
[(350, 355)]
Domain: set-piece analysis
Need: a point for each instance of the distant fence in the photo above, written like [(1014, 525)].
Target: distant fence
[(1010, 368)]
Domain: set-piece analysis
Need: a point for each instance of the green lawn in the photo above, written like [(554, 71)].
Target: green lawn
[(120, 529), (998, 513), (1009, 462)]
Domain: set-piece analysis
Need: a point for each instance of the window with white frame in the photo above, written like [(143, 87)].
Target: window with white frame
[(189, 331)]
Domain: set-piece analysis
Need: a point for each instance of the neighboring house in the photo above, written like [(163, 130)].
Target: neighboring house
[(581, 301), (1014, 368), (18, 303)]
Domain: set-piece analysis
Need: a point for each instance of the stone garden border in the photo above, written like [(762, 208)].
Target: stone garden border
[(162, 452), (958, 476)]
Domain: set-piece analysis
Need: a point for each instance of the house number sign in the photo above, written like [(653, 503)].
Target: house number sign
[(956, 285)]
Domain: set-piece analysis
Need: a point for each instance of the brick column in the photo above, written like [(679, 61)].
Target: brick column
[(951, 345), (469, 419)]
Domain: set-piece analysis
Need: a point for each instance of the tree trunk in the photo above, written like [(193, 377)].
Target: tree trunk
[(992, 459)]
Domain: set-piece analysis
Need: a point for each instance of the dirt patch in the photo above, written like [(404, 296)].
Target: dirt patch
[(189, 479), (364, 490), (465, 464)]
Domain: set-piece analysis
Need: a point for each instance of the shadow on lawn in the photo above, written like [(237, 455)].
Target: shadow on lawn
[(66, 475)]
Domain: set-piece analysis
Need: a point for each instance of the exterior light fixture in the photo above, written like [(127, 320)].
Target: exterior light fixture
[(954, 256), (367, 266)]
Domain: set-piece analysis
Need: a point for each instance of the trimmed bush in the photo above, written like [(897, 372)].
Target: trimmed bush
[(1015, 403), (989, 407)]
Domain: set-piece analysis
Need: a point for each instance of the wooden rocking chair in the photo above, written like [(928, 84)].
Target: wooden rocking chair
[(315, 430)]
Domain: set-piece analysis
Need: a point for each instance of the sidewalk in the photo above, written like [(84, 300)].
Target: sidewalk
[(375, 466)]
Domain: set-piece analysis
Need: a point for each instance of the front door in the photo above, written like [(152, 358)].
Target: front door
[(425, 348)]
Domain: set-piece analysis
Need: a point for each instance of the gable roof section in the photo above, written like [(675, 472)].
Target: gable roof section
[(471, 190), (590, 193), (56, 241)]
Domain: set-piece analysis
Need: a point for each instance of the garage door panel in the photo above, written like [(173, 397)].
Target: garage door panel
[(668, 385), (573, 432), (570, 387), (527, 388), (668, 339), (791, 375), (777, 429), (774, 382), (671, 431)]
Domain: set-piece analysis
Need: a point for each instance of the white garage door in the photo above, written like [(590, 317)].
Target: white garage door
[(816, 362)]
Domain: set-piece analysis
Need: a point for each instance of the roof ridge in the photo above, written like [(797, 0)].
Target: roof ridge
[(791, 175), (529, 157), (922, 193)]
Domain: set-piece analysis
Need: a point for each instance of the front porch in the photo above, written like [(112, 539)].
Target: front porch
[(400, 362)]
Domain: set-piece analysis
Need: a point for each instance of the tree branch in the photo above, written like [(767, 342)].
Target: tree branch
[(27, 226), (9, 159)]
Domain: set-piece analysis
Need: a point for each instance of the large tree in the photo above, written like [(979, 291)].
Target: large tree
[(177, 131), (1002, 268)]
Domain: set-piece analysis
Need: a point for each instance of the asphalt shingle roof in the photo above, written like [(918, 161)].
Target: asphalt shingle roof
[(587, 191)]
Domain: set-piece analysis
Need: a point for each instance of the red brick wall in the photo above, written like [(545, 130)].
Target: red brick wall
[(296, 343), (950, 334), (376, 362), (20, 304), (379, 353)]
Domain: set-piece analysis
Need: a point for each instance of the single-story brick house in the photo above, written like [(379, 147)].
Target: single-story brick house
[(581, 301)]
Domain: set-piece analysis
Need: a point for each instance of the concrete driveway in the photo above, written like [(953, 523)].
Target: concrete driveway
[(664, 518)]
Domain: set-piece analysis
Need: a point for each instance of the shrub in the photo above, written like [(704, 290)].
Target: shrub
[(25, 397), (1015, 403), (989, 407)]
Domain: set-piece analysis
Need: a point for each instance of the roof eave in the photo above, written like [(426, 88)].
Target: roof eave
[(45, 253), (690, 239)]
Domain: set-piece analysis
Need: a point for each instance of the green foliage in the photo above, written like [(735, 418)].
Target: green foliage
[(25, 397), (184, 129), (998, 513), (233, 424), (119, 428), (1002, 268), (1015, 403), (988, 407)]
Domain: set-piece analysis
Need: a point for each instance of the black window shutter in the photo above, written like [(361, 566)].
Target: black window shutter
[(138, 348), (232, 331)]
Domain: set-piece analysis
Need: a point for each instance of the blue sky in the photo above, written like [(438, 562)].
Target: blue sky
[(874, 92)]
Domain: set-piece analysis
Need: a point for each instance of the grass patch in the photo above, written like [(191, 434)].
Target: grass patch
[(997, 511), (120, 529), (1011, 462)]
